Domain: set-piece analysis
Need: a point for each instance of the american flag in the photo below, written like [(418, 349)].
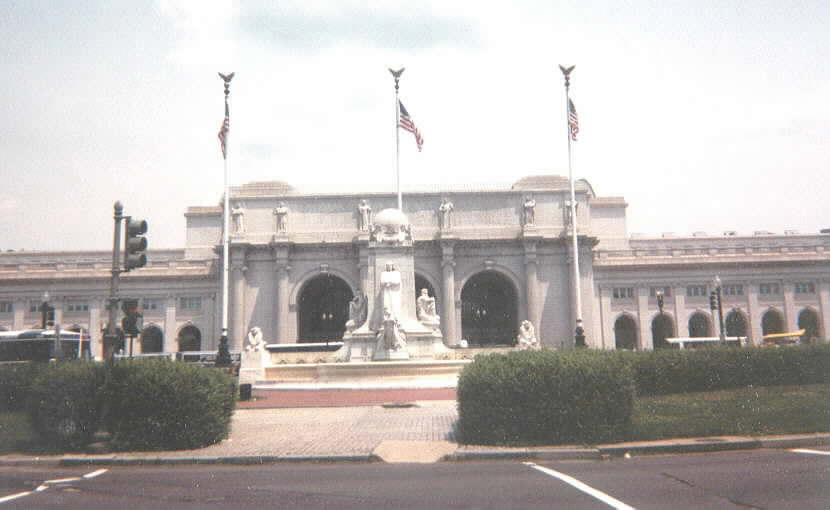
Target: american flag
[(406, 123), (573, 120), (223, 131)]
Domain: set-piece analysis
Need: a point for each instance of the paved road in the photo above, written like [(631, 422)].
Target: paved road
[(768, 479)]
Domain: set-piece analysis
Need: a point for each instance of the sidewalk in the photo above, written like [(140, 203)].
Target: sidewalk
[(403, 431)]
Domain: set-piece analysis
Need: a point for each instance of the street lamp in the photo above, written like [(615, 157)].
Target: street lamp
[(57, 351), (660, 304), (44, 309), (718, 301), (579, 335)]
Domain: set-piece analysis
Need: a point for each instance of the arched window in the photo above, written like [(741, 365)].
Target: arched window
[(190, 339), (735, 324), (808, 320), (323, 309), (489, 310), (625, 333), (700, 325), (423, 283), (662, 327), (152, 339), (772, 322)]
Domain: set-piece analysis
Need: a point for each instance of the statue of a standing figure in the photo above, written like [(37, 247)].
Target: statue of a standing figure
[(255, 341), (238, 215), (390, 282), (426, 309), (357, 312), (364, 216), (445, 214), (530, 210), (390, 337), (527, 337), (281, 212)]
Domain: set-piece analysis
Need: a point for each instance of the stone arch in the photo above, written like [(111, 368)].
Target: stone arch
[(700, 325), (489, 309), (736, 323), (772, 322), (189, 338), (152, 339), (424, 283), (809, 321), (323, 308), (626, 332), (297, 288), (662, 327)]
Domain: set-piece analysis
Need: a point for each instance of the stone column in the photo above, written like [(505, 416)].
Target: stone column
[(680, 315), (531, 287), (96, 346), (448, 324), (171, 341), (790, 312), (58, 304), (607, 341), (824, 308), (20, 315), (646, 341), (237, 316), (281, 269), (753, 326)]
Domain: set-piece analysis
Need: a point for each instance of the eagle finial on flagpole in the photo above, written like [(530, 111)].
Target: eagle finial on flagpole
[(567, 72), (397, 75), (227, 79)]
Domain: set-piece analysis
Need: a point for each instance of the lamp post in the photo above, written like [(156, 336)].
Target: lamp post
[(717, 291), (44, 309)]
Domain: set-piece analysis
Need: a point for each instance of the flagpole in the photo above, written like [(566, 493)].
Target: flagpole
[(397, 76), (579, 331), (223, 357)]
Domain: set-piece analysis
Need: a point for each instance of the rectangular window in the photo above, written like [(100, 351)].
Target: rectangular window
[(769, 289), (153, 304), (34, 307), (805, 288), (733, 290), (696, 291), (76, 306), (6, 307), (623, 292), (665, 290), (190, 303)]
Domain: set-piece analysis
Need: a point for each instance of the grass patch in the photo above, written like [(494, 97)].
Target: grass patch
[(746, 411), (15, 431)]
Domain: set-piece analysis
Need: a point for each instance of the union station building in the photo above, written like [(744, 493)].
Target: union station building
[(491, 261)]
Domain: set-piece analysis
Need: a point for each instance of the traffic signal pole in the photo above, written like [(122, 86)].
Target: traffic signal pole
[(111, 337)]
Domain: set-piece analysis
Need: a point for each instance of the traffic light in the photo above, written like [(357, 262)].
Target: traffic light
[(133, 321), (713, 300), (135, 243)]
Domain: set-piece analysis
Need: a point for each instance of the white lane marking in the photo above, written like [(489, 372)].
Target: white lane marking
[(812, 452), (605, 498), (14, 496), (95, 473), (62, 480), (41, 488)]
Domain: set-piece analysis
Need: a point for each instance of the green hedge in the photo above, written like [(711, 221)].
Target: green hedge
[(64, 402), (160, 404), (714, 368), (545, 397), (15, 381)]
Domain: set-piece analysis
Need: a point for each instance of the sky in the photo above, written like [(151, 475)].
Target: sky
[(705, 116)]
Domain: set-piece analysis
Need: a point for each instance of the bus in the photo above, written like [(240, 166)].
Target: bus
[(39, 345)]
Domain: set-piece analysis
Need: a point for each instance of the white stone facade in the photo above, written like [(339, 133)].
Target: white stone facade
[(489, 259)]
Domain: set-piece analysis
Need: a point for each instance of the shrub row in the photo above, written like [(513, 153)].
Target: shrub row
[(714, 368), (545, 397), (15, 380), (144, 404)]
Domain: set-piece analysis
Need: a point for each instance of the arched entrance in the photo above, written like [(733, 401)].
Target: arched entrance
[(772, 322), (190, 339), (700, 325), (323, 309), (625, 333), (808, 320), (489, 310), (662, 327), (735, 324), (152, 339)]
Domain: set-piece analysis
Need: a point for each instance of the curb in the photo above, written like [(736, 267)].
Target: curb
[(559, 454), (699, 446), (169, 461)]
